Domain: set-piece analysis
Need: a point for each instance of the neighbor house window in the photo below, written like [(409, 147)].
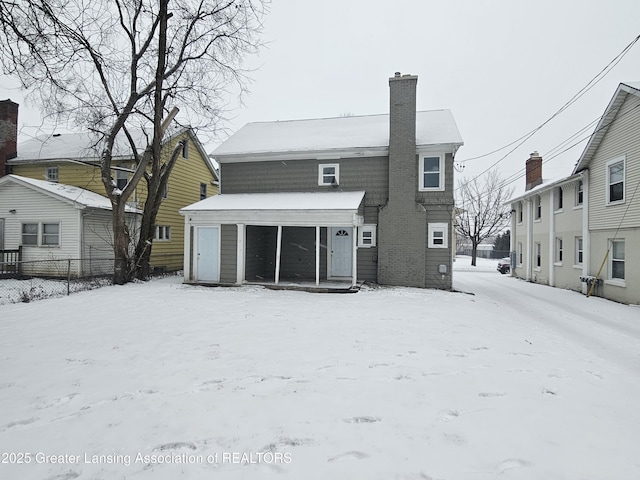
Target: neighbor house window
[(559, 199), (580, 193), (431, 173), (50, 234), (203, 191), (617, 259), (29, 234), (367, 236), (121, 179), (537, 205), (163, 232), (185, 149), (578, 250), (165, 191), (438, 235), (615, 180), (520, 215), (559, 250), (538, 254), (519, 253), (52, 174), (328, 174)]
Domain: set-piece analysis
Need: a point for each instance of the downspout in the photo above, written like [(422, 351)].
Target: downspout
[(586, 241), (552, 238)]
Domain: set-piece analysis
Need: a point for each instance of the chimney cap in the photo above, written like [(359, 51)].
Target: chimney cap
[(397, 74)]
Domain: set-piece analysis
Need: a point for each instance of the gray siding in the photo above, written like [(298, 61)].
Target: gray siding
[(369, 174), (228, 253)]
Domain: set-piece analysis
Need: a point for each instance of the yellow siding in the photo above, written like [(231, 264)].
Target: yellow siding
[(183, 189)]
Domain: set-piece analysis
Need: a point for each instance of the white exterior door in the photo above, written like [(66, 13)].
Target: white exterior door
[(208, 254), (341, 251)]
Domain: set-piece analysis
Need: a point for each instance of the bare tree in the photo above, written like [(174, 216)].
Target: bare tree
[(114, 66), (481, 209)]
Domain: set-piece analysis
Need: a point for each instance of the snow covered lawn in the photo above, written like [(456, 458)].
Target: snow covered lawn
[(165, 381)]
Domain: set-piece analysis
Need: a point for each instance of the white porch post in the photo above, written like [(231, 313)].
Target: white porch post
[(240, 253), (354, 268), (317, 255), (187, 250), (278, 251)]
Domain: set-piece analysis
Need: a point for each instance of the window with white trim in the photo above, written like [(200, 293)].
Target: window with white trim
[(163, 233), (520, 214), (431, 175), (538, 255), (50, 234), (52, 174), (328, 174), (203, 191), (559, 249), (537, 206), (438, 235), (30, 234), (559, 198), (579, 193), (579, 251), (615, 181), (122, 178), (519, 253), (616, 264), (367, 236)]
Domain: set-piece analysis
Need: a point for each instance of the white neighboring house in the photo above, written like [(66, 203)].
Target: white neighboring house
[(580, 230), (53, 221)]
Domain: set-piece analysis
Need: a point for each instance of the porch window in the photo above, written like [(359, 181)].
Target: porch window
[(615, 181), (328, 174), (29, 234), (367, 236), (431, 174), (438, 236)]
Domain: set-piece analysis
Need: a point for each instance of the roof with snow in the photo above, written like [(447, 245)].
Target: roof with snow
[(434, 127), (79, 197), (610, 113), (280, 201), (86, 147)]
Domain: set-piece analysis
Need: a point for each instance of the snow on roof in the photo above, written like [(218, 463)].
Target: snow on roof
[(371, 131), (73, 145), (75, 195), (280, 201)]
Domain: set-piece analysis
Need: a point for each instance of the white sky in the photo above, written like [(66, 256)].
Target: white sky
[(502, 66)]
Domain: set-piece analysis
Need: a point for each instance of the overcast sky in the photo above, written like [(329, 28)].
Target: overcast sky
[(502, 66)]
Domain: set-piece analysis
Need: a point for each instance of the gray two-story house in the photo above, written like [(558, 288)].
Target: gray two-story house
[(348, 199)]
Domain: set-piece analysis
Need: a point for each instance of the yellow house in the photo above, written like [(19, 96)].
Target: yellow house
[(72, 159)]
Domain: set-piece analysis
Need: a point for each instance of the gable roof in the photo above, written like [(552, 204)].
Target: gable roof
[(84, 146), (78, 197), (623, 91), (309, 138)]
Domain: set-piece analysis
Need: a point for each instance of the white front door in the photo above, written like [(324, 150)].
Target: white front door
[(341, 251), (208, 254)]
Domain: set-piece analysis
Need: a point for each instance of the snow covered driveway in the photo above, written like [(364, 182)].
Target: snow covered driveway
[(165, 381)]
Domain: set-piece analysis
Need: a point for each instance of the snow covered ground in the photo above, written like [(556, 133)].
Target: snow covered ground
[(164, 381)]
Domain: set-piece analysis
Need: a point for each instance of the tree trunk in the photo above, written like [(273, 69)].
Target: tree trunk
[(121, 269), (474, 252)]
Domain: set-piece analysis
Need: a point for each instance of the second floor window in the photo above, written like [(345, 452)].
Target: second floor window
[(328, 174), (52, 174), (163, 233), (121, 179), (559, 199), (579, 193), (615, 181), (431, 175), (537, 207), (203, 191)]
